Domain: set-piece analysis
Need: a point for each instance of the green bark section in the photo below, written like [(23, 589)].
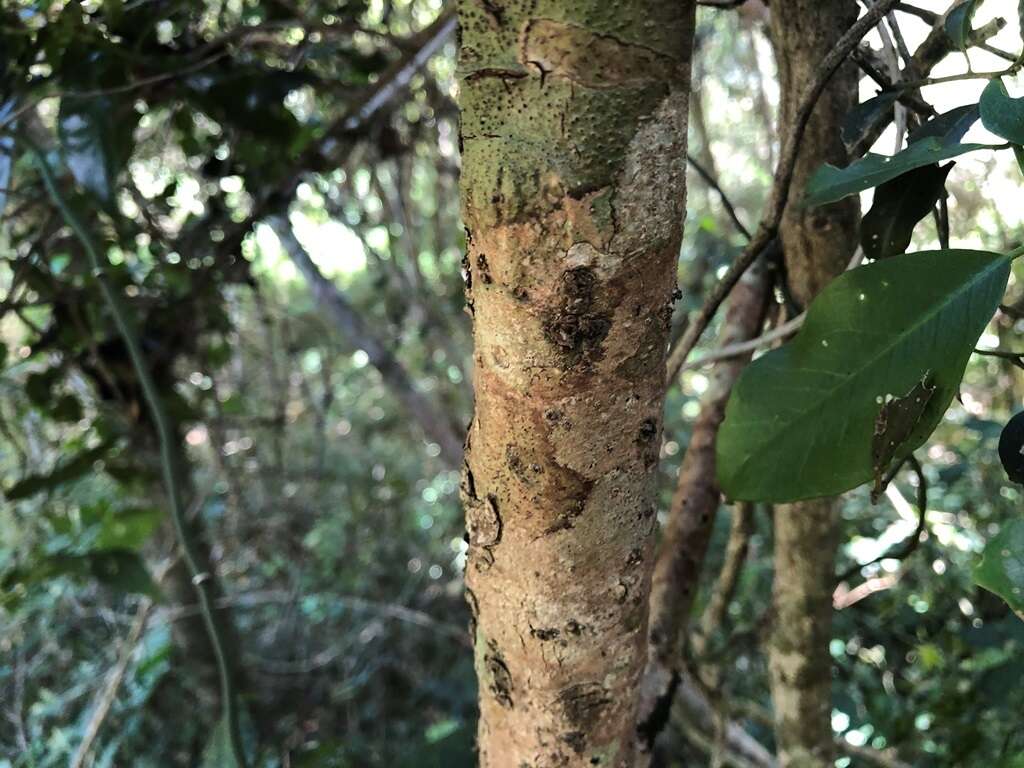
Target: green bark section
[(818, 244), (573, 146)]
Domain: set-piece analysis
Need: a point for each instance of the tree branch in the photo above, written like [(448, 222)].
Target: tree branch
[(351, 324), (728, 577), (341, 135), (712, 182), (769, 226), (691, 517)]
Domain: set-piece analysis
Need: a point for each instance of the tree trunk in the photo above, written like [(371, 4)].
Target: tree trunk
[(818, 243), (574, 150)]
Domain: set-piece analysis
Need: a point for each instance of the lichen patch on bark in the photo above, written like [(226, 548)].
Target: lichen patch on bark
[(573, 136)]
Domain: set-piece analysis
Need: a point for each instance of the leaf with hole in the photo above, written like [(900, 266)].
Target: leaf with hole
[(801, 420), (1001, 569), (829, 184), (958, 23), (898, 206), (896, 421), (1002, 114)]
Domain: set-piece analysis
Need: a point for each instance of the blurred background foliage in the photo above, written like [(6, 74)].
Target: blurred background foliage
[(216, 151)]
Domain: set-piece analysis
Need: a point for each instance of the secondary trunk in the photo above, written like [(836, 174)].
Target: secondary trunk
[(818, 243), (574, 147)]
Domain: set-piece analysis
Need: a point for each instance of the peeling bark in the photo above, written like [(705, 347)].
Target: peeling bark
[(818, 243), (574, 146)]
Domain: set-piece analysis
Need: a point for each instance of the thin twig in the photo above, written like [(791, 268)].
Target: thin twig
[(722, 594), (776, 334), (712, 182), (929, 17), (907, 547), (784, 331), (109, 693), (769, 226), (1015, 358)]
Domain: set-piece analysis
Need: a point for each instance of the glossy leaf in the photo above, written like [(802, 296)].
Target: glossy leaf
[(1011, 448), (1001, 569), (949, 127), (802, 419), (829, 184), (958, 23), (1002, 114), (888, 227)]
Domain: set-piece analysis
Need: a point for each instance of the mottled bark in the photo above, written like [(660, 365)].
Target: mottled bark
[(574, 146), (818, 243)]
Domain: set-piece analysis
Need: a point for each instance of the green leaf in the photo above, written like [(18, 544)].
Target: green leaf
[(122, 570), (958, 23), (125, 528), (64, 472), (119, 569), (888, 227), (1001, 114), (1018, 154), (950, 126), (829, 184), (802, 419), (1001, 569), (861, 116)]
